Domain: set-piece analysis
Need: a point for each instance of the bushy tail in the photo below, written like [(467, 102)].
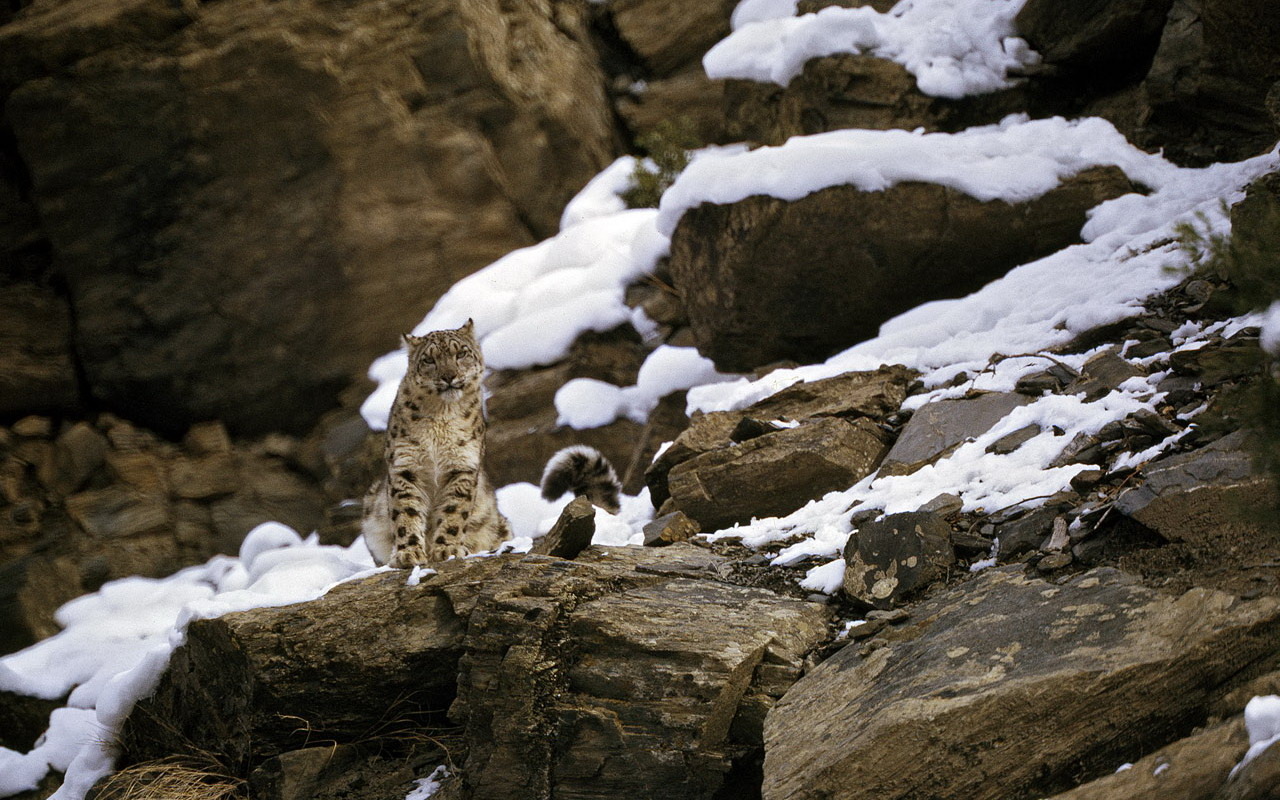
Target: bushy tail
[(584, 471)]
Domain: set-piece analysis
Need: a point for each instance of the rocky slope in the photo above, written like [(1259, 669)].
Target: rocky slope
[(271, 193)]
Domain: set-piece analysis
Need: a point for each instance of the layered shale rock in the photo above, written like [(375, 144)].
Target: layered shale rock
[(765, 279), (1039, 683), (632, 672)]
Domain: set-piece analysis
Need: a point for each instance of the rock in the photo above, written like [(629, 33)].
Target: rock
[(669, 529), (1051, 380), (23, 719), (1090, 38), (765, 279), (1007, 444), (207, 438), (341, 771), (571, 533), (1086, 479), (37, 371), (1025, 534), (254, 684), (943, 505), (1102, 375), (597, 677), (204, 478), (775, 474), (874, 394), (33, 426), (1213, 365), (1207, 498), (1194, 768), (1009, 686), (656, 701), (117, 512), (1053, 562), (1205, 93), (250, 158), (1257, 780), (852, 91), (78, 452), (936, 429), (891, 560)]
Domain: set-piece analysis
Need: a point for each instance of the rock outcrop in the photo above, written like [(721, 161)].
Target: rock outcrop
[(1009, 672), (572, 679), (271, 195), (95, 502), (765, 279)]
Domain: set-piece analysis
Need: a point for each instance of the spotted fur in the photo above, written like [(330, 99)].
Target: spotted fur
[(584, 471), (435, 501)]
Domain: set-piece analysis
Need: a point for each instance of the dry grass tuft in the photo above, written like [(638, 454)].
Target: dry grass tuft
[(175, 778)]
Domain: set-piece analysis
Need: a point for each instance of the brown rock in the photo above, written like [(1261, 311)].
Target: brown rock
[(668, 35), (204, 478), (1008, 686), (571, 533), (118, 512), (255, 158), (1194, 768), (78, 452), (669, 529), (854, 259), (852, 91), (36, 364), (1257, 780), (207, 438), (875, 394), (1089, 37), (774, 474)]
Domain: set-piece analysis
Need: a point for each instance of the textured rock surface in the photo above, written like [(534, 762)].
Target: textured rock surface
[(37, 370), (936, 429), (1091, 36), (892, 559), (852, 91), (571, 534), (874, 394), (1011, 672), (1194, 768), (765, 279), (235, 234), (774, 474), (631, 672), (95, 502), (1208, 498)]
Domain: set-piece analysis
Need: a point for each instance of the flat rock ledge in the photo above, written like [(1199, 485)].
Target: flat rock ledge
[(630, 672)]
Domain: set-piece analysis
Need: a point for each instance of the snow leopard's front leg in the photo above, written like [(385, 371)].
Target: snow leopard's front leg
[(409, 511), (455, 504)]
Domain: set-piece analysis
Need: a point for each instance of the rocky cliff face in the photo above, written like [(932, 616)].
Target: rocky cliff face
[(216, 215)]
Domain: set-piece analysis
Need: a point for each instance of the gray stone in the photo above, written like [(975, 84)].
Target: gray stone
[(943, 505), (895, 558), (774, 474), (1053, 562), (765, 279), (1025, 534), (1207, 497), (1089, 37), (1211, 365), (1008, 686), (936, 429), (78, 452)]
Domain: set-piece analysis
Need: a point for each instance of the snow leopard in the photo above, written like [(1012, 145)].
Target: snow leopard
[(586, 472), (434, 501)]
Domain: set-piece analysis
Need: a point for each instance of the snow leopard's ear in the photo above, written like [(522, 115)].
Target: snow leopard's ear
[(468, 326), (408, 340)]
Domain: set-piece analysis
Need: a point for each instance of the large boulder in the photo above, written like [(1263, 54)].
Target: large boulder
[(1206, 92), (1088, 38), (766, 279), (271, 195), (935, 430), (1008, 686), (631, 672)]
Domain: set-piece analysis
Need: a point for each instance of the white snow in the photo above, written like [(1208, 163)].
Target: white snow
[(586, 403), (1015, 160), (1271, 329), (954, 48), (428, 786), (1262, 721)]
